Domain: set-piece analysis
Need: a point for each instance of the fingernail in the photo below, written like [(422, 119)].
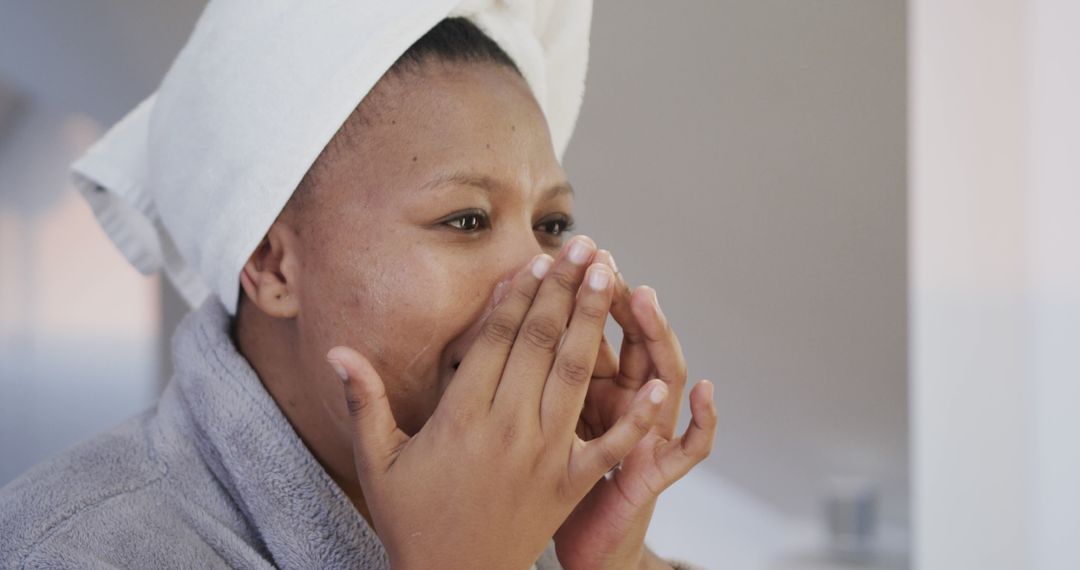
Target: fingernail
[(580, 252), (599, 277), (339, 369), (658, 393), (540, 266)]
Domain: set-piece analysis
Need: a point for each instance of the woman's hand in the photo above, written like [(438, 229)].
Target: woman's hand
[(607, 530), (498, 467)]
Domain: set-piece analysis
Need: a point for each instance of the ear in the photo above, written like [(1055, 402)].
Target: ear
[(271, 276)]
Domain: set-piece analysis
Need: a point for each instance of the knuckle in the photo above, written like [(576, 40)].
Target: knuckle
[(695, 453), (520, 294), (516, 437), (499, 329), (633, 335), (542, 333), (608, 457), (358, 404), (355, 405), (573, 370), (592, 313), (509, 434), (640, 424), (565, 281)]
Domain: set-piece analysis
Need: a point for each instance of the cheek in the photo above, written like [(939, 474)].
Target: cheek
[(424, 297), (405, 317), (401, 307)]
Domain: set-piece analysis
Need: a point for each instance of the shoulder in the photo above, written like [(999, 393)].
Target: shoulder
[(91, 498), (56, 493)]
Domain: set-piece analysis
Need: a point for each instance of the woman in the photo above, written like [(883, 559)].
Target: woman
[(422, 262)]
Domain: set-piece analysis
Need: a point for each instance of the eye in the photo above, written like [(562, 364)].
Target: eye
[(555, 225), (468, 221)]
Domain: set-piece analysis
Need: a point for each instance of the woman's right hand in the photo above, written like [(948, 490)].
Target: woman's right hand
[(497, 468)]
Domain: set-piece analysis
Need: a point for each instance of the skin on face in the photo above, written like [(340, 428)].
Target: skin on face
[(445, 184)]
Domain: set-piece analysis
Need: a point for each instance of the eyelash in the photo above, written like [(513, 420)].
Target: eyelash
[(481, 221)]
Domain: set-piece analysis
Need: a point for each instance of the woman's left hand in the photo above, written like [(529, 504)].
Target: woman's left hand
[(607, 528)]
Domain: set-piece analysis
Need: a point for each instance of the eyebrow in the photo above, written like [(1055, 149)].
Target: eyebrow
[(489, 184)]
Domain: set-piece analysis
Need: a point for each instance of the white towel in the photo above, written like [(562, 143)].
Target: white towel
[(192, 178)]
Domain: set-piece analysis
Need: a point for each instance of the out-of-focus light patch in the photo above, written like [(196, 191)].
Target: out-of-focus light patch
[(79, 333), (84, 285), (11, 272), (79, 132), (60, 275)]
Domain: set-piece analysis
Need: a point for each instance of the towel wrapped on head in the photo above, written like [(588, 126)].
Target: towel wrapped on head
[(192, 178)]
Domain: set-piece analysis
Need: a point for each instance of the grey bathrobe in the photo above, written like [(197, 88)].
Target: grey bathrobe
[(214, 476)]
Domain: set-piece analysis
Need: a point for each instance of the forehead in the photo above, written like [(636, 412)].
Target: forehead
[(445, 118)]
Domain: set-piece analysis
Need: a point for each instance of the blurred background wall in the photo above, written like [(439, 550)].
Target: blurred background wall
[(995, 283), (744, 157), (747, 159), (80, 330)]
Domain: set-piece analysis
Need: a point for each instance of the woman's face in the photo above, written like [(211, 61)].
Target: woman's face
[(447, 185)]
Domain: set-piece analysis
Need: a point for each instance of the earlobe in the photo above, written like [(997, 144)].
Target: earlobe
[(268, 278)]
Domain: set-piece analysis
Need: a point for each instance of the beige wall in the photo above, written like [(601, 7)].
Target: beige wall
[(747, 158)]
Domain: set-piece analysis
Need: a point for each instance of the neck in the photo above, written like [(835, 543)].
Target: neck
[(270, 346)]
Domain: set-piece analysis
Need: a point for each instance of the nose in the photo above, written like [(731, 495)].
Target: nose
[(515, 253), (518, 250)]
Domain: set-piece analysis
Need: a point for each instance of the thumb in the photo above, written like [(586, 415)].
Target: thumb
[(375, 436), (602, 454)]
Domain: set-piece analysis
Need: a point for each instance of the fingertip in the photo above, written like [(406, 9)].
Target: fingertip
[(336, 358), (706, 389), (540, 265), (599, 277), (657, 391), (579, 250), (339, 369), (703, 393), (338, 353), (641, 301), (348, 363), (702, 404)]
